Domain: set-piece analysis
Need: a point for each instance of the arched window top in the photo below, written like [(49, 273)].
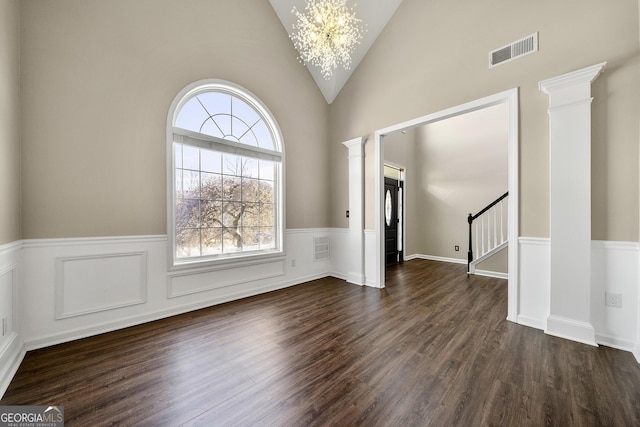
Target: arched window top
[(224, 110)]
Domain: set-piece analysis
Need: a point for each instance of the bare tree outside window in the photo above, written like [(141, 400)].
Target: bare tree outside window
[(226, 212)]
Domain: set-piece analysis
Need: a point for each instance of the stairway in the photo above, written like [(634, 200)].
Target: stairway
[(488, 233)]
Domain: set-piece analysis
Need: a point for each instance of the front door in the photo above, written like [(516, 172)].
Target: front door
[(391, 220)]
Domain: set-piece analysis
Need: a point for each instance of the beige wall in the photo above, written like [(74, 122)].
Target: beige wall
[(10, 226), (98, 78), (433, 55)]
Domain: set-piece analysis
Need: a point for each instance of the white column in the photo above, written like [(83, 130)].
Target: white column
[(356, 210), (570, 203)]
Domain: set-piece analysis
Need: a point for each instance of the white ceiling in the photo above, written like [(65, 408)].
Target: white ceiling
[(374, 15)]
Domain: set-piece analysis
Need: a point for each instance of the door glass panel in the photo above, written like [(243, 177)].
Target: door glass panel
[(388, 208)]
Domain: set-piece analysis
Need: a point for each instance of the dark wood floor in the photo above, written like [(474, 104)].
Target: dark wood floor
[(433, 348)]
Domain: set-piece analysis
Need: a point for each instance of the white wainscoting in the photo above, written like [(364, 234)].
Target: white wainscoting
[(614, 268), (534, 282), (74, 288), (11, 340)]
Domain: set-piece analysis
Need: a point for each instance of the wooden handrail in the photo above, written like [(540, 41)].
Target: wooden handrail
[(472, 218)]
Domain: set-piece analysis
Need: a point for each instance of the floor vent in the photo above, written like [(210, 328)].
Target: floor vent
[(514, 50), (320, 248)]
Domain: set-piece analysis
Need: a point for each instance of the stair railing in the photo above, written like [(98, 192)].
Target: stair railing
[(491, 232)]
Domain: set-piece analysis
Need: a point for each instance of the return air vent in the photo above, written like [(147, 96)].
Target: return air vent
[(320, 248), (514, 50)]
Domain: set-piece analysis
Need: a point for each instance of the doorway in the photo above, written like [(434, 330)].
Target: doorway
[(509, 97), (394, 214)]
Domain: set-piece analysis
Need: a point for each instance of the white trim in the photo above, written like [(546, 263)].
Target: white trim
[(60, 280), (10, 247), (571, 329), (494, 274), (534, 241), (511, 98), (614, 342), (90, 241), (217, 284), (436, 258), (356, 210), (531, 322)]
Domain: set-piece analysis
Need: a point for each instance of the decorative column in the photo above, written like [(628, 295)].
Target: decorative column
[(356, 211), (570, 204)]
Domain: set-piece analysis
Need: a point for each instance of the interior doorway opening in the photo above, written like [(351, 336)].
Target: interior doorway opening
[(510, 98)]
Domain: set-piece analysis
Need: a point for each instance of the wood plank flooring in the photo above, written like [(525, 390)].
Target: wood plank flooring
[(431, 349)]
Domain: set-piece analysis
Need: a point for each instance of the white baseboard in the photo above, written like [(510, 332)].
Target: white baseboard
[(615, 342), (494, 274), (531, 322), (636, 352), (571, 329), (435, 258)]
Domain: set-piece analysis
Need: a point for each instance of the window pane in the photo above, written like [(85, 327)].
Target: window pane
[(250, 167), (211, 187), (211, 213), (190, 158), (211, 161), (267, 238), (187, 243), (232, 165), (250, 190), (263, 135), (211, 241), (267, 215), (178, 178), (266, 192), (267, 170), (242, 133), (191, 184), (232, 188), (211, 127), (232, 240), (251, 215), (250, 238), (177, 149), (187, 213), (232, 213), (191, 116), (243, 111)]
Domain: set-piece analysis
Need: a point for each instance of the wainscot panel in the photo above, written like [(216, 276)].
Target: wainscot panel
[(12, 349)]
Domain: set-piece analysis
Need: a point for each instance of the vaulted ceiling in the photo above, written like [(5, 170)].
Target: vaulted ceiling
[(374, 15)]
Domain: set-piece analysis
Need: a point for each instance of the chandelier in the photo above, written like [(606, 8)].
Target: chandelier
[(326, 34)]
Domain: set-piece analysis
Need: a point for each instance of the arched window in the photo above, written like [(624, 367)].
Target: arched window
[(225, 165)]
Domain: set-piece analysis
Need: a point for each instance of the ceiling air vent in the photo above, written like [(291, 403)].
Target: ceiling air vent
[(514, 50)]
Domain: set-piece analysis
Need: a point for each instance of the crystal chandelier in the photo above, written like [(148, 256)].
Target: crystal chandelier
[(326, 34)]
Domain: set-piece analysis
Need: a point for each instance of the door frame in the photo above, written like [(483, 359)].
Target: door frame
[(404, 203), (510, 97)]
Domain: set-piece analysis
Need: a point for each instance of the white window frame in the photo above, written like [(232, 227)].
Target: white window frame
[(173, 134)]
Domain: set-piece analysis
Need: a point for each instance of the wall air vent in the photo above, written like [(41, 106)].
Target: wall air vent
[(320, 248), (514, 50)]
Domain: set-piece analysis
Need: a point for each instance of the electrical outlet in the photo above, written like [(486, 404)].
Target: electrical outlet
[(613, 300), (293, 263), (457, 248), (5, 326)]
